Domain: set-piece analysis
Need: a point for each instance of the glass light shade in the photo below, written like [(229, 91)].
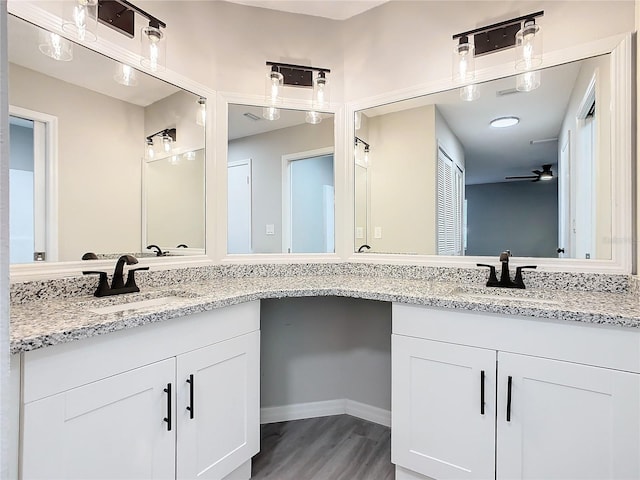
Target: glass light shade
[(271, 113), (313, 117), (366, 157), (167, 143), (358, 120), (126, 75), (55, 46), (469, 93), (528, 46), (174, 159), (154, 52), (463, 61), (320, 99), (273, 88), (80, 19), (201, 114), (528, 81), (189, 156), (151, 153)]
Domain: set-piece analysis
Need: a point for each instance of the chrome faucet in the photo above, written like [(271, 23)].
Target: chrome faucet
[(505, 277), (118, 285)]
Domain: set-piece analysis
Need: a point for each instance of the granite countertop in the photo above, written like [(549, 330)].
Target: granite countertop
[(42, 323)]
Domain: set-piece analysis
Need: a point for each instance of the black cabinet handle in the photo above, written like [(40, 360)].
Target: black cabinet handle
[(509, 380), (482, 392), (168, 417), (190, 407)]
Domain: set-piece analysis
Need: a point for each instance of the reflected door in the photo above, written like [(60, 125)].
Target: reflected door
[(239, 207), (311, 206)]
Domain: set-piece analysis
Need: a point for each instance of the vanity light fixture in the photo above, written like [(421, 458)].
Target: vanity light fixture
[(366, 149), (151, 153), (201, 114), (126, 75), (521, 32), (528, 81), (286, 74), (503, 122), (168, 138), (80, 19), (54, 46), (120, 15)]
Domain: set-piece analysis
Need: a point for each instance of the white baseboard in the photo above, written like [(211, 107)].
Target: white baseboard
[(325, 408)]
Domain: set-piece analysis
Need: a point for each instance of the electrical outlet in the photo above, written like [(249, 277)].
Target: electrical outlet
[(377, 232), (270, 229), (359, 232)]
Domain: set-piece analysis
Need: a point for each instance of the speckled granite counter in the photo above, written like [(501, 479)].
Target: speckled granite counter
[(49, 321)]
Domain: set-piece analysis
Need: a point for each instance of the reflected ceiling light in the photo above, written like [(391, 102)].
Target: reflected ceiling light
[(168, 138), (126, 75), (528, 81), (503, 122), (285, 74), (80, 19), (313, 118), (120, 16), (359, 141), (469, 93), (201, 114), (55, 46)]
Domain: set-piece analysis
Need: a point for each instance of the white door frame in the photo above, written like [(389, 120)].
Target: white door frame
[(239, 163), (45, 178), (286, 188)]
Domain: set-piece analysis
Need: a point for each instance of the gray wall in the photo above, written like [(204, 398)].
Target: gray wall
[(21, 148), (316, 349), (518, 216)]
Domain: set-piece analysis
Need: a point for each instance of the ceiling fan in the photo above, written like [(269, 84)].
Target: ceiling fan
[(545, 174)]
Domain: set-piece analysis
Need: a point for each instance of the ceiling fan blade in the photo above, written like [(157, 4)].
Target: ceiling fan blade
[(521, 178)]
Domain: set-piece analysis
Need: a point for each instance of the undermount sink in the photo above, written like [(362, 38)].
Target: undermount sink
[(139, 305)]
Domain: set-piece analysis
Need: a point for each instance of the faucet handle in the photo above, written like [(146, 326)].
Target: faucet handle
[(131, 280), (103, 284), (519, 283), (493, 279)]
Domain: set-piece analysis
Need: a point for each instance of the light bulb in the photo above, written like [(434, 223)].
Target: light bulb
[(463, 61), (153, 48), (166, 143), (271, 113), (275, 81), (320, 92), (528, 46), (81, 19), (151, 153)]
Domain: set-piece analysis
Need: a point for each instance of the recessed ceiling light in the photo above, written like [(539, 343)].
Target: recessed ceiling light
[(503, 122)]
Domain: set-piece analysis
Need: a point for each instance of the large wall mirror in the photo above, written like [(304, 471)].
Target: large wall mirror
[(125, 149), (280, 191), (433, 176)]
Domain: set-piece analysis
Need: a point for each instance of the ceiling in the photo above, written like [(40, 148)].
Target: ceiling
[(241, 125), (333, 9)]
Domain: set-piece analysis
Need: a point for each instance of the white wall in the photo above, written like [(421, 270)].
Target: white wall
[(316, 349), (266, 151), (100, 146), (402, 44)]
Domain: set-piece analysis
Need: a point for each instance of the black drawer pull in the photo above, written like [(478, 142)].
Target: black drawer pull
[(168, 417), (482, 392), (190, 407), (509, 380)]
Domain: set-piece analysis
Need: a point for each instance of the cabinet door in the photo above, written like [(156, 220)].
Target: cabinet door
[(219, 425), (440, 426), (110, 429), (567, 421)]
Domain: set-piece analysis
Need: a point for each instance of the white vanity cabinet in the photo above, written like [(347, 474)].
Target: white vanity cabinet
[(119, 406), (477, 396)]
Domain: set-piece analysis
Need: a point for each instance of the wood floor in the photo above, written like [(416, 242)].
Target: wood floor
[(340, 447)]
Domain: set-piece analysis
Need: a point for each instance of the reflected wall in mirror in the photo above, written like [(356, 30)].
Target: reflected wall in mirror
[(439, 179), (280, 183), (81, 127)]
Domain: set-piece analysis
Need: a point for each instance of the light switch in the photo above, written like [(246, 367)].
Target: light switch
[(270, 230), (359, 232), (377, 232)]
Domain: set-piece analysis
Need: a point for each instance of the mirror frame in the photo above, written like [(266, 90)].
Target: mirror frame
[(620, 47), (44, 270), (224, 99)]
